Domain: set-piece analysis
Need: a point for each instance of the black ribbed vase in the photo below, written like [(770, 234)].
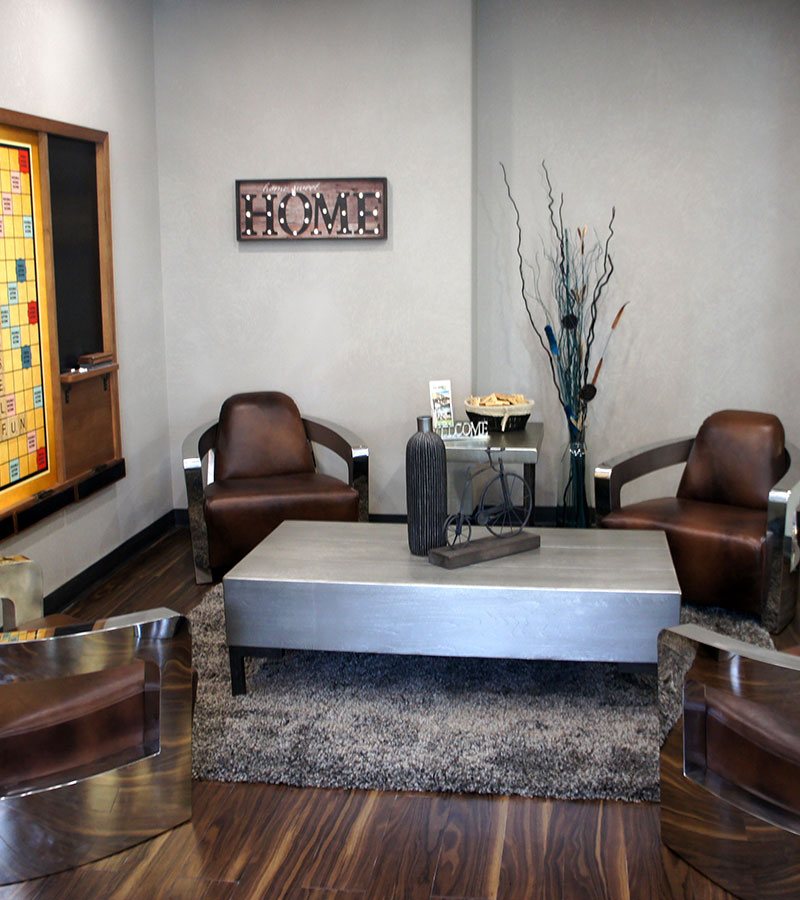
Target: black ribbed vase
[(426, 488)]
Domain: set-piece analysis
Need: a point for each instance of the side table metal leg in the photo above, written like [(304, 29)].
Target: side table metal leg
[(529, 474)]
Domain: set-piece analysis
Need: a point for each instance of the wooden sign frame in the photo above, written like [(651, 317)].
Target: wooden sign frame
[(316, 209)]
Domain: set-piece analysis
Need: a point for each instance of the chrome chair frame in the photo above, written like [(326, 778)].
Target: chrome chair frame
[(58, 821), (778, 607), (738, 839), (198, 473)]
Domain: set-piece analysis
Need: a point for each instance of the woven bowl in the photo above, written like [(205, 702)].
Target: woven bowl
[(513, 417)]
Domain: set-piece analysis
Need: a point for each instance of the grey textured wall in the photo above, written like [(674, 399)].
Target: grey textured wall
[(315, 89), (687, 117)]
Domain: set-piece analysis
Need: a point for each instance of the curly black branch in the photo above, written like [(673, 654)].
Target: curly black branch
[(536, 330)]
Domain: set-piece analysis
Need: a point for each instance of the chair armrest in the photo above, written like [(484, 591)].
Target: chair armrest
[(349, 447), (609, 477), (196, 445), (155, 624), (342, 442), (783, 554), (677, 650), (783, 506), (723, 644)]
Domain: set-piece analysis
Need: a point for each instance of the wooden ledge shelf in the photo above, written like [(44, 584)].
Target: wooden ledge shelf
[(69, 378), (48, 502), (94, 372)]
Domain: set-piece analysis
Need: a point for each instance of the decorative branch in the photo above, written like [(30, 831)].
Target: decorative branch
[(536, 331), (600, 286), (580, 278)]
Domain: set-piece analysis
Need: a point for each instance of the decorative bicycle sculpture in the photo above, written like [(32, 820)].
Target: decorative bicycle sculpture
[(504, 507)]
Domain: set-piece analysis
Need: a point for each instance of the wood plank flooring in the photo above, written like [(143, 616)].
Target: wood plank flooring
[(273, 841)]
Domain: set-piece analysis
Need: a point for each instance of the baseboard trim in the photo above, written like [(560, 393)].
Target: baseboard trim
[(545, 515), (62, 596), (182, 517)]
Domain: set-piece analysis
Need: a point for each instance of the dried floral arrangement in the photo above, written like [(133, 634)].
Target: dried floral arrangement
[(565, 319)]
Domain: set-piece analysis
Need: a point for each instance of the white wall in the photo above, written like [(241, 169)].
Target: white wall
[(91, 64), (683, 115), (317, 89), (687, 117)]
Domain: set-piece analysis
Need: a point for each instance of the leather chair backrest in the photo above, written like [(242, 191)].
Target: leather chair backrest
[(737, 457), (261, 434)]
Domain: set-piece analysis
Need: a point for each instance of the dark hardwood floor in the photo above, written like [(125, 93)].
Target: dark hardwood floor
[(272, 841)]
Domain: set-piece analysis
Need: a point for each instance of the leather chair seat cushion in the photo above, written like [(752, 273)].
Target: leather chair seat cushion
[(55, 725), (240, 512), (751, 746), (718, 551)]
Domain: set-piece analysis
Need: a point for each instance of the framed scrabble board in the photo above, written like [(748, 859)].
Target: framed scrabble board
[(59, 394), (27, 463)]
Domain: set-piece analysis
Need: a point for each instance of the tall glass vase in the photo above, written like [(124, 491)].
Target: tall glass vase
[(572, 503)]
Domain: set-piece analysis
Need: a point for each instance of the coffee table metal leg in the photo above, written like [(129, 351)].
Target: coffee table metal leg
[(237, 657), (238, 683)]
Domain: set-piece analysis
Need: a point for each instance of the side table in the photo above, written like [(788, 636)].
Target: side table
[(517, 447)]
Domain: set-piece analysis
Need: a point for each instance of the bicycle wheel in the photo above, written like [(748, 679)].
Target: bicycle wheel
[(505, 505), (457, 530)]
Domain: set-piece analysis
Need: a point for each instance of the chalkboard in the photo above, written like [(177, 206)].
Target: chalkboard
[(76, 261)]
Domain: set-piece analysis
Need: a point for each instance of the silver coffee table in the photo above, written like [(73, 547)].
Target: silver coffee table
[(584, 595)]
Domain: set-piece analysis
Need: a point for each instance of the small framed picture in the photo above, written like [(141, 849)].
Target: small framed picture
[(442, 405)]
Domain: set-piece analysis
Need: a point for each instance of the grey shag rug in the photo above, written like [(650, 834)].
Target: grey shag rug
[(537, 729)]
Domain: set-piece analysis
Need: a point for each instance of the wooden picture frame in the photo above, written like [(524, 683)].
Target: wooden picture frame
[(82, 399)]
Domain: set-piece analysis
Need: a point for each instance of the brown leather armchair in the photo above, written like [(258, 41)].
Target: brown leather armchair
[(732, 528), (255, 468), (95, 738), (730, 761)]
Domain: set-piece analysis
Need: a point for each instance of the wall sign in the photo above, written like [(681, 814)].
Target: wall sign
[(270, 209)]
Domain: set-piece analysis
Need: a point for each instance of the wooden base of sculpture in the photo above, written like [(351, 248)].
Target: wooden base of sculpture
[(482, 550)]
